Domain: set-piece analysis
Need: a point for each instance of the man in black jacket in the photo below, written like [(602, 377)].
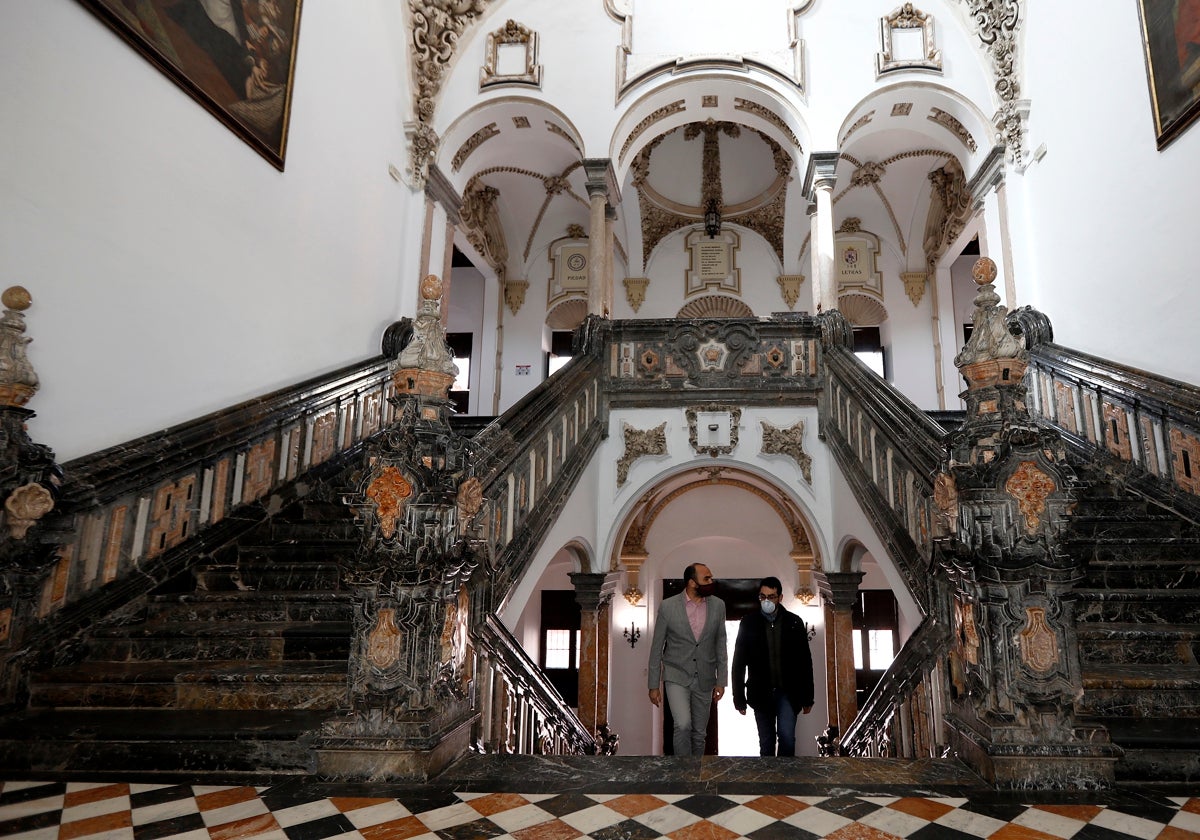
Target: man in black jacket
[(773, 644)]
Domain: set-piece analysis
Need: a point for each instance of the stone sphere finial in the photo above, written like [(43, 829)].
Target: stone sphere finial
[(431, 287), (16, 297), (984, 271)]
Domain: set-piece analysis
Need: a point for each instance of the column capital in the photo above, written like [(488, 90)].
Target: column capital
[(594, 590), (839, 589), (820, 174), (602, 179)]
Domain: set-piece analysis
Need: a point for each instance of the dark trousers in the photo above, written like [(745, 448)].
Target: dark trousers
[(778, 719)]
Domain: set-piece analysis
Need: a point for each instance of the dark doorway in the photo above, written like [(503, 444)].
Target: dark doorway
[(876, 638), (741, 598), (561, 622)]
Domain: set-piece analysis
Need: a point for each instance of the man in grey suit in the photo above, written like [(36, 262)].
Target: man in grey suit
[(688, 656)]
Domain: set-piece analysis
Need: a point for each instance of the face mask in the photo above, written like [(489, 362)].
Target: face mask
[(705, 589), (768, 607)]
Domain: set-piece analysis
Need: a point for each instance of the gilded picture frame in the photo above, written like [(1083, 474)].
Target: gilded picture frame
[(1171, 42), (237, 58)]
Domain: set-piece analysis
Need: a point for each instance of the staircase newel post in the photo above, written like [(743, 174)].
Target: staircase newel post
[(410, 707), (29, 482), (1006, 492)]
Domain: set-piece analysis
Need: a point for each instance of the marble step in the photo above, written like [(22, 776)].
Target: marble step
[(267, 575), (1134, 525), (1138, 606), (222, 684), (1133, 550), (249, 605), (1153, 644), (218, 747), (1151, 573), (222, 639), (1157, 750), (1137, 690)]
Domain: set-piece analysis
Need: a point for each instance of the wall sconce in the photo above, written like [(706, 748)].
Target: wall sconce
[(712, 218), (632, 634)]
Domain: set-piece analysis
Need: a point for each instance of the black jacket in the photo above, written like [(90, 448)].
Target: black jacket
[(750, 651)]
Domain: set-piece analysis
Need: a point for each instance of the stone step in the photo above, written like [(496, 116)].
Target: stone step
[(1134, 551), (266, 575), (217, 747), (1138, 606), (222, 639), (1137, 690), (1133, 525), (1158, 750), (1150, 573), (248, 605), (1154, 644), (221, 684)]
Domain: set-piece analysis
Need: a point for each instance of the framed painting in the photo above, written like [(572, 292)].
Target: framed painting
[(1171, 38), (237, 58)]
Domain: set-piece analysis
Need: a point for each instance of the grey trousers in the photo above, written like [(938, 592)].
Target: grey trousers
[(689, 710)]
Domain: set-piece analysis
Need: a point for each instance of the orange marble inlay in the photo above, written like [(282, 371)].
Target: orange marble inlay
[(1020, 832), (494, 803), (1030, 487), (395, 830), (1083, 813), (632, 804), (1192, 806), (224, 798), (388, 491), (858, 831), (353, 803), (75, 798), (96, 825), (924, 808), (703, 830), (776, 806)]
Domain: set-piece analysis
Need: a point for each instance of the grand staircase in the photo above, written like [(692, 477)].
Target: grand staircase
[(222, 671), (1138, 626)]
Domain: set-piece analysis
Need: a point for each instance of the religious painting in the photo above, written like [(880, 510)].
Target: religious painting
[(237, 58), (1171, 38)]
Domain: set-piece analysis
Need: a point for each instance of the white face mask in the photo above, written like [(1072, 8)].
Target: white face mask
[(768, 607)]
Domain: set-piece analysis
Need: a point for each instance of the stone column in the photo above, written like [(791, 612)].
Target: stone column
[(593, 593), (819, 182), (610, 216), (602, 191), (839, 594), (945, 337), (443, 207)]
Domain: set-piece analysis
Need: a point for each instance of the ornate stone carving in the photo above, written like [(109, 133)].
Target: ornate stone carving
[(555, 128), (859, 123), (945, 501), (767, 114), (470, 498), (426, 365), (708, 101), (18, 380), (869, 173), (635, 291), (384, 640), (481, 218), (732, 413), (472, 143), (514, 294), (914, 285), (649, 120), (512, 33), (1030, 487), (640, 443), (907, 17), (996, 23), (389, 490), (715, 306), (789, 288), (25, 506), (902, 109), (436, 27), (576, 231), (1039, 642), (949, 210), (956, 128), (789, 442)]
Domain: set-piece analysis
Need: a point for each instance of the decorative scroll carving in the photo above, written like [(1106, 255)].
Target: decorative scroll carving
[(956, 128), (914, 285), (859, 123), (436, 27), (949, 209), (861, 310), (996, 22), (789, 288), (649, 120), (481, 218), (555, 128), (25, 506), (472, 143), (512, 33), (640, 443), (1030, 487), (715, 306), (789, 442), (514, 294), (767, 114)]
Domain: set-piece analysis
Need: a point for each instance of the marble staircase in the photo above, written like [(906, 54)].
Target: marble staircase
[(224, 671), (1138, 628)]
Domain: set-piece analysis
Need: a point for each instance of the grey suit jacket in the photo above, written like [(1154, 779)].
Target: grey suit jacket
[(675, 654)]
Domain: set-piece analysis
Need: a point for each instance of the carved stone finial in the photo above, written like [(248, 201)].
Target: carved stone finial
[(18, 380), (25, 506), (990, 339), (426, 366)]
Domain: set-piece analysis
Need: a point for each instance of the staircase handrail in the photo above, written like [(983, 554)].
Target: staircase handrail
[(504, 652), (1156, 448)]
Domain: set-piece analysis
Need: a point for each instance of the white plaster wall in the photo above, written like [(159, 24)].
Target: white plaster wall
[(1102, 220), (174, 271)]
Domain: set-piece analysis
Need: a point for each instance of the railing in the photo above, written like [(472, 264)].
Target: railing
[(888, 450), (1143, 427), (520, 709), (902, 715)]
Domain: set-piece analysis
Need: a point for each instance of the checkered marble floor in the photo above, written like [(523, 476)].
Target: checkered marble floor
[(125, 811)]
